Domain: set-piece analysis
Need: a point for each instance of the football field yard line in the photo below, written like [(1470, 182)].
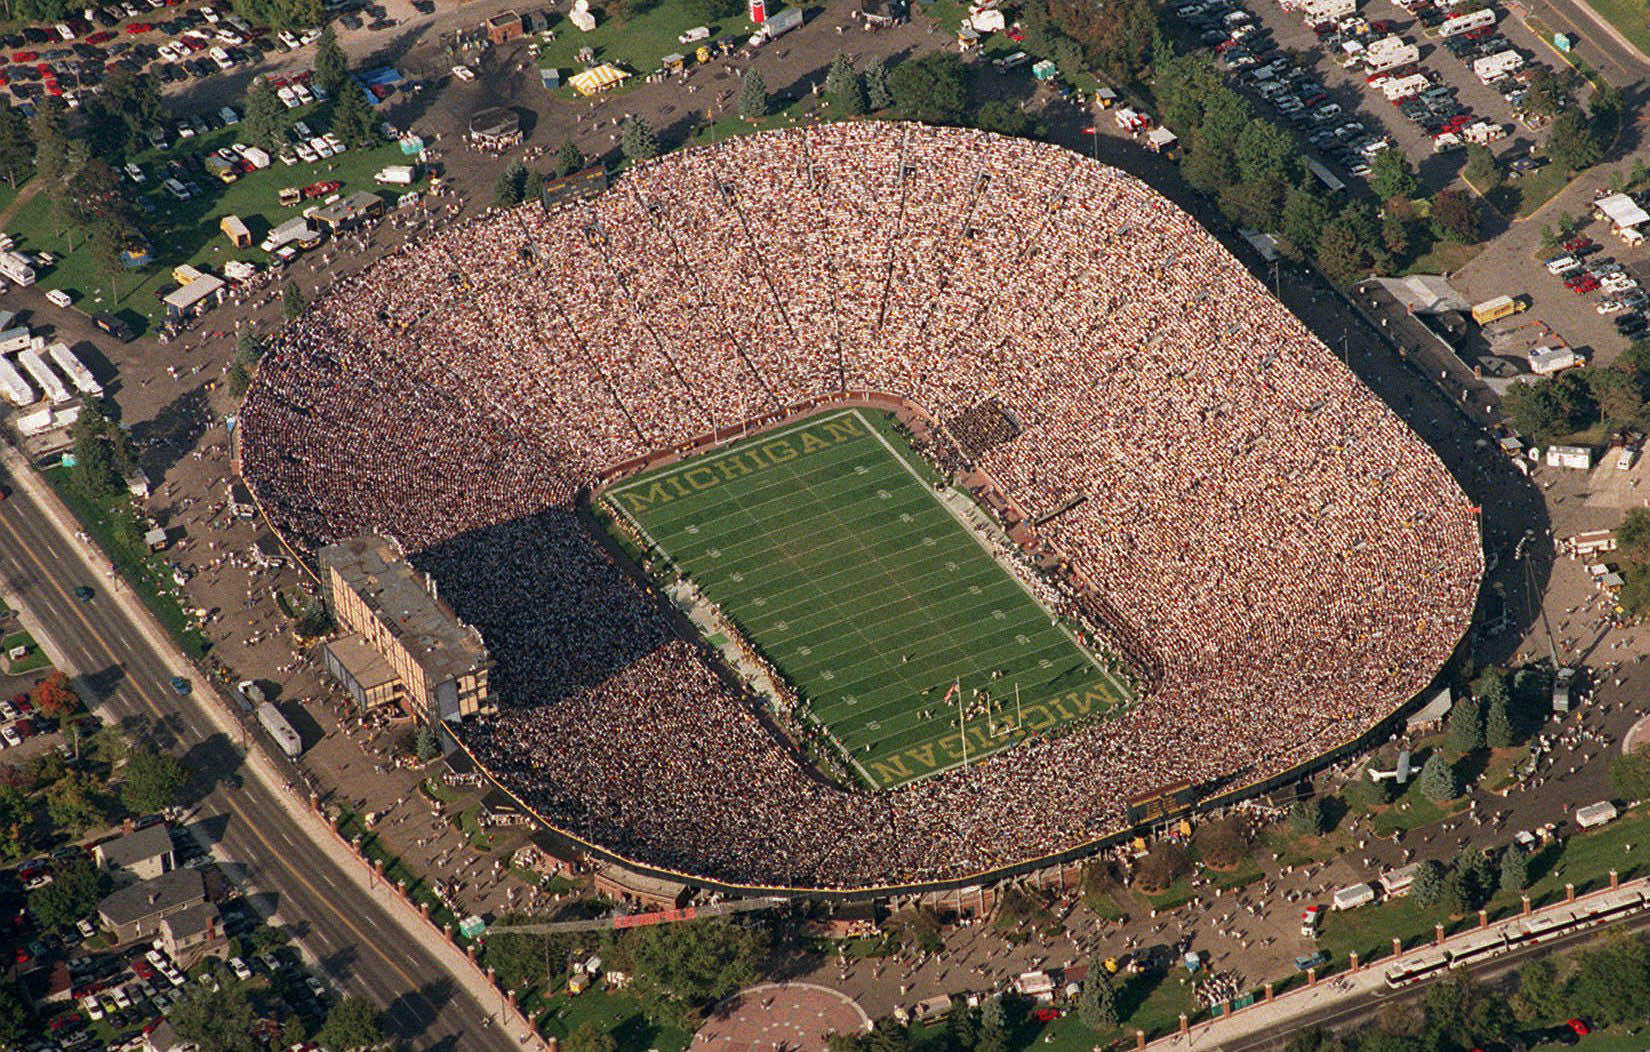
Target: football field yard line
[(858, 601)]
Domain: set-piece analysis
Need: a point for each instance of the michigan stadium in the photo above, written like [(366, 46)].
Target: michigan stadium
[(867, 505)]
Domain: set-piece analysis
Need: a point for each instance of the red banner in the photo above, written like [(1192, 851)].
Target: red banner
[(638, 920)]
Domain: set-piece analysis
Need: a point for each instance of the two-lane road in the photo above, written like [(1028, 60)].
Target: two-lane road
[(361, 947)]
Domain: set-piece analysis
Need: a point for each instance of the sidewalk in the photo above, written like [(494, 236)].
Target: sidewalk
[(458, 965)]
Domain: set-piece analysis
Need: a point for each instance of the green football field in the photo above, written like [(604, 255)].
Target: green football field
[(827, 545)]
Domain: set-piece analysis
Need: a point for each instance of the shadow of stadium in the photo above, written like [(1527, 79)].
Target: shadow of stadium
[(558, 613)]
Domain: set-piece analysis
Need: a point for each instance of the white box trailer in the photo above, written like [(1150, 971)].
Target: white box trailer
[(1494, 67), (17, 268), (15, 339), (42, 374), (1353, 896), (1544, 361), (72, 367), (256, 157), (279, 729), (1315, 12), (1390, 53), (1397, 88), (1596, 814), (12, 385), (1466, 23), (1578, 457)]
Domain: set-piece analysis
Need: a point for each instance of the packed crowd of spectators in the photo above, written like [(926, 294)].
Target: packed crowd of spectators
[(1298, 558)]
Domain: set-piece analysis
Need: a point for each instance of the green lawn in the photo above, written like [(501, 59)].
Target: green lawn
[(636, 44), (118, 532), (187, 231), (833, 553), (35, 659), (1631, 18), (616, 1013)]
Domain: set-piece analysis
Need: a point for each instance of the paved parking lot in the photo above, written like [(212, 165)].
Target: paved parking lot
[(1289, 33)]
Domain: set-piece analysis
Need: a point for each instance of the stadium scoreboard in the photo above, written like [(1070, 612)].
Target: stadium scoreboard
[(1158, 804)]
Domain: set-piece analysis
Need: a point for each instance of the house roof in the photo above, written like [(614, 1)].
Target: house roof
[(188, 923), (139, 846), (148, 898)]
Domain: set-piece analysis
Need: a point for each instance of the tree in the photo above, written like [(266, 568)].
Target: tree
[(292, 300), (53, 698), (843, 91), (1438, 779), (1466, 726), (511, 185), (1395, 233), (1307, 818), (637, 140), (53, 155), (1342, 254), (331, 67), (753, 96), (993, 1027), (73, 894), (1552, 408), (264, 125), (152, 781), (1515, 870), (1304, 216), (1428, 884), (889, 1035), (108, 255), (14, 1016), (1254, 203), (1481, 169), (1455, 215), (1611, 980), (75, 802), (1223, 843), (1008, 118), (218, 1020), (1166, 863), (426, 744), (1573, 142), (878, 96), (1266, 151), (16, 146), (1498, 727), (352, 118), (935, 89), (586, 1038), (568, 159), (1097, 1004), (695, 963), (1391, 175), (237, 380), (354, 1023), (962, 1026), (15, 815)]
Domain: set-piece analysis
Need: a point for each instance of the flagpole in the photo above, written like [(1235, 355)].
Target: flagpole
[(1019, 718), (962, 719)]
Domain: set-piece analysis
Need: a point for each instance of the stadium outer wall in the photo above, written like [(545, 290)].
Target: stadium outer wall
[(1146, 670)]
